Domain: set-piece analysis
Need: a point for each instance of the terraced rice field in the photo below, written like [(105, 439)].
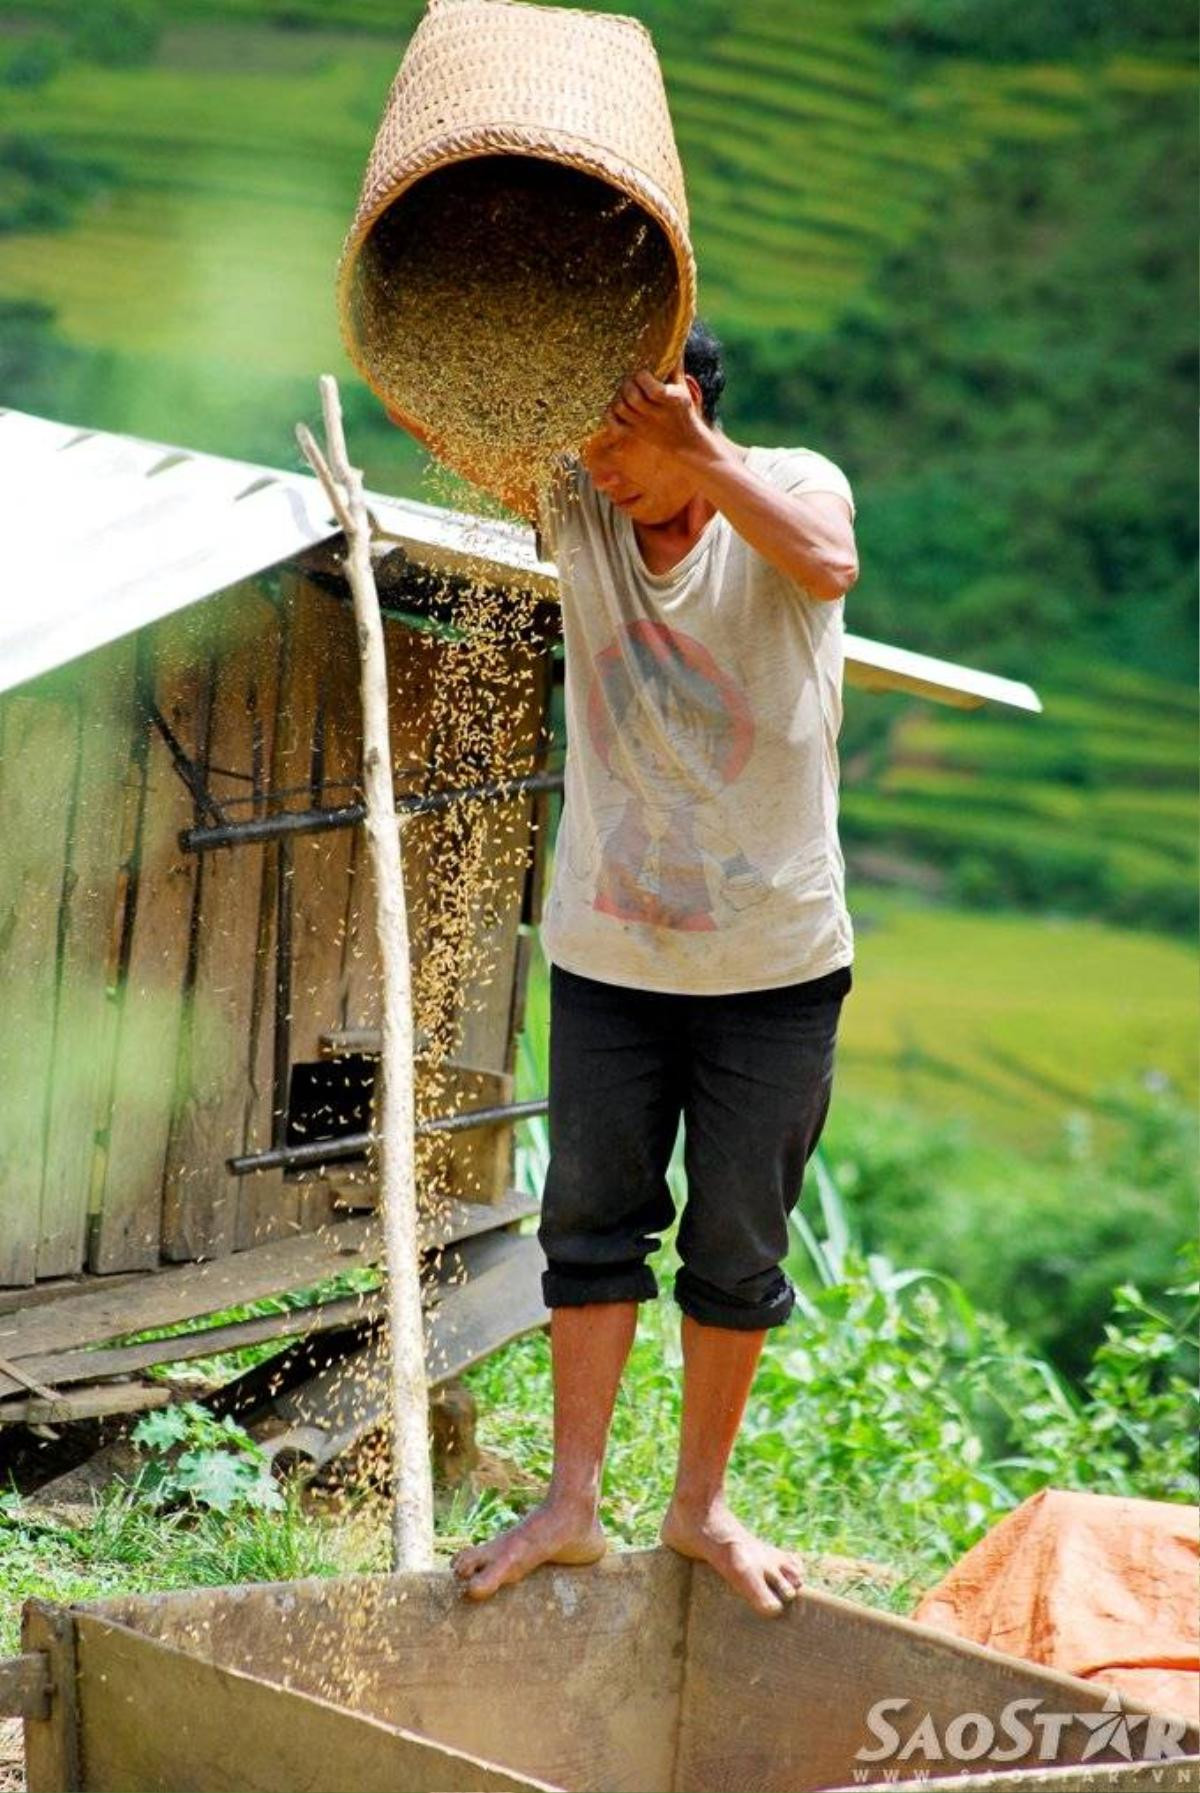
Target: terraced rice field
[(236, 157), (1090, 806)]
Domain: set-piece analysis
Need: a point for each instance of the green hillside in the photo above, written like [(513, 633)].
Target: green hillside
[(946, 246), (1090, 809)]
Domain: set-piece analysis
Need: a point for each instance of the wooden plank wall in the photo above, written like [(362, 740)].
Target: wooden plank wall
[(38, 755), (89, 943), (139, 1047), (314, 760)]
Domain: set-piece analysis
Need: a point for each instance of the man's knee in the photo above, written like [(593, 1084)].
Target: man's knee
[(748, 1304)]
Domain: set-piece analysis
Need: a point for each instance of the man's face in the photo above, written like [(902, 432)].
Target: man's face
[(635, 475)]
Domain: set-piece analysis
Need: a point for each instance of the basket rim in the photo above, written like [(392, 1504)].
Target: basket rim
[(627, 21), (588, 158)]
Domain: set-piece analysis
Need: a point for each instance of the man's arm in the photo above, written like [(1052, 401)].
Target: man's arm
[(809, 536)]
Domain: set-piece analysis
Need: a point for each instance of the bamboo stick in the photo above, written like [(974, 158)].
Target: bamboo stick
[(412, 1476)]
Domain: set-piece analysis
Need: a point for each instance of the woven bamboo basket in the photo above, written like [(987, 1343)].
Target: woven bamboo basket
[(558, 108)]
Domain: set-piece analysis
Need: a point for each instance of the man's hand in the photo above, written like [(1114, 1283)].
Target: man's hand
[(663, 416)]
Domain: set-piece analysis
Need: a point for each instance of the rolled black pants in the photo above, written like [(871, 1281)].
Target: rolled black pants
[(751, 1076)]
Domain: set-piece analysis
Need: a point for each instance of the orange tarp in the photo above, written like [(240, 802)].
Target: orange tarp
[(1094, 1584)]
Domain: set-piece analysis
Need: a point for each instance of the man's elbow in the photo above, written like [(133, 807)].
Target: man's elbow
[(834, 578)]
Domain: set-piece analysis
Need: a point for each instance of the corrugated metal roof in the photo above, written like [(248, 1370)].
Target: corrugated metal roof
[(108, 533)]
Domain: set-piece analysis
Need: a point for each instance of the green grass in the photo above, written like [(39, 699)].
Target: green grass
[(131, 1548), (1088, 808)]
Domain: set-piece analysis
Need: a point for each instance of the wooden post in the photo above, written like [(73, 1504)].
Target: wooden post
[(412, 1480)]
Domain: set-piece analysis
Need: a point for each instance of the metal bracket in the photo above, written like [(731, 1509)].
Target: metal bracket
[(187, 769)]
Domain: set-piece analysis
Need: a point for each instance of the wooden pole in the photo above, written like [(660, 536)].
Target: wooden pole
[(412, 1480)]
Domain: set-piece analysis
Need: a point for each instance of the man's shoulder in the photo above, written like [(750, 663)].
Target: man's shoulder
[(802, 469), (790, 455)]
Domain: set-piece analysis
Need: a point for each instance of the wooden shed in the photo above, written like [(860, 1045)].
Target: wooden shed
[(187, 954)]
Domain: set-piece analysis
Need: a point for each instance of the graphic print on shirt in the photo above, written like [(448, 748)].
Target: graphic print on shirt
[(673, 730)]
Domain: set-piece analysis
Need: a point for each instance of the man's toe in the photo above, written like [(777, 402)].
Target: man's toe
[(488, 1577), (762, 1594), (780, 1587)]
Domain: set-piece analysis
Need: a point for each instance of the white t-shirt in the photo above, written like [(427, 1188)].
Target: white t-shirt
[(698, 850)]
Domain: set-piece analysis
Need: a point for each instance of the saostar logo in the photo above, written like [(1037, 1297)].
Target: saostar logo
[(1022, 1730)]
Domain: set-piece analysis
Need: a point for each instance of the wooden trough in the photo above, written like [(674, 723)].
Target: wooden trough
[(640, 1674)]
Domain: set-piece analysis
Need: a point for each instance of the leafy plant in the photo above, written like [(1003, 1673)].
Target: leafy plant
[(1133, 1428), (204, 1462)]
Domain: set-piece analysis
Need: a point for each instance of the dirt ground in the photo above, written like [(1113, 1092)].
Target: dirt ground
[(12, 1756)]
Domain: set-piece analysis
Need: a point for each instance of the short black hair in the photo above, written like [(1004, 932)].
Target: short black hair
[(704, 359)]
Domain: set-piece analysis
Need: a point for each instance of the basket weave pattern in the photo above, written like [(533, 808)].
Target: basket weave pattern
[(492, 77)]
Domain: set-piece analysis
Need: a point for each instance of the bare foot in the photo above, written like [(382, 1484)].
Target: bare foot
[(555, 1532), (760, 1572)]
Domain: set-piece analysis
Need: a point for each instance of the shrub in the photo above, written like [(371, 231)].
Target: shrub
[(33, 61), (116, 33), (1044, 1242)]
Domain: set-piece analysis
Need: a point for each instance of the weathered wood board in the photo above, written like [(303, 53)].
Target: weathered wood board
[(796, 1716), (98, 1313), (152, 1717), (267, 1207), (318, 760), (89, 919), (56, 1344), (200, 1196), (175, 675), (38, 757), (581, 1672)]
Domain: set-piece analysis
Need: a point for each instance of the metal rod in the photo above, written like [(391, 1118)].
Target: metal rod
[(349, 815), (485, 1117), (354, 1145), (279, 827)]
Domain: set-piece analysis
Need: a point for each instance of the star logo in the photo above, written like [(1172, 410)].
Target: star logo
[(1111, 1728)]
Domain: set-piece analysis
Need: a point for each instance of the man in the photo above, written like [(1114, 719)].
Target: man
[(697, 932)]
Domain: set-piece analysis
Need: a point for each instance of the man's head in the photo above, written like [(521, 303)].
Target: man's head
[(640, 479)]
